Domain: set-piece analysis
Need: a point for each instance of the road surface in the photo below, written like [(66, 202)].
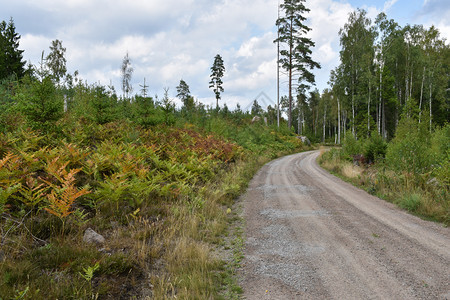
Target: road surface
[(309, 235)]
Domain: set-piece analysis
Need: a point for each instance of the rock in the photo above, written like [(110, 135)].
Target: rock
[(304, 140), (256, 119), (92, 237), (433, 181)]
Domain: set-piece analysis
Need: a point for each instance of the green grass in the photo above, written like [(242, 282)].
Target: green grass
[(414, 193)]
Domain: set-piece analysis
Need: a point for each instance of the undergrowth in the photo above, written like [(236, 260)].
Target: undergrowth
[(423, 194), (160, 195)]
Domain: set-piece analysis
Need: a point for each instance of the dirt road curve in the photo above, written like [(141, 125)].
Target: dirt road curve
[(310, 235)]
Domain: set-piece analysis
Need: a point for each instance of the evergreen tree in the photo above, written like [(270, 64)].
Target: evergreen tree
[(296, 58), (217, 71), (256, 109), (11, 58), (184, 94)]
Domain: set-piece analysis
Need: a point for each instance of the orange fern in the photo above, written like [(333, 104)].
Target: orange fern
[(64, 193)]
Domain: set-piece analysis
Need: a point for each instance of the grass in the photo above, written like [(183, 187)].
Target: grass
[(414, 193), (163, 199)]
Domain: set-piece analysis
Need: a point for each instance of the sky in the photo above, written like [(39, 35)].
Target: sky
[(169, 40)]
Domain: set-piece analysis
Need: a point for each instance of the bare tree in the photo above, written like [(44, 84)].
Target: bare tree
[(127, 72)]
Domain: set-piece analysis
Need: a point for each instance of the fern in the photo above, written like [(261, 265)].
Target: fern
[(64, 192)]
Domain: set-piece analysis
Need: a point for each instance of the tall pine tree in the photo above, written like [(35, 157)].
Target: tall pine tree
[(217, 71), (295, 57)]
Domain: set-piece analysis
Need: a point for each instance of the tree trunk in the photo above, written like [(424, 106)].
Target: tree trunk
[(290, 79), (339, 121), (353, 97), (368, 109), (421, 94), (431, 115), (324, 123)]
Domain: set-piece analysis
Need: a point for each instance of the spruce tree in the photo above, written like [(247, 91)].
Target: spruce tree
[(11, 58), (295, 57)]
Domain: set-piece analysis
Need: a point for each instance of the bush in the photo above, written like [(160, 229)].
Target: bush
[(410, 202), (351, 146), (410, 150), (40, 103), (374, 148)]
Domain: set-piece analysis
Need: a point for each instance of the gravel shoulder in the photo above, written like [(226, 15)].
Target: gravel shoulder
[(309, 235)]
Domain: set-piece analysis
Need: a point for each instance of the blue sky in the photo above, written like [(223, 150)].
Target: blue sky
[(169, 40)]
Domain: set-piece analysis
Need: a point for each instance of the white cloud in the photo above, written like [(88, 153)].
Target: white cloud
[(172, 39), (388, 4)]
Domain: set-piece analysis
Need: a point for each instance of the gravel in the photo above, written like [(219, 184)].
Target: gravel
[(310, 235)]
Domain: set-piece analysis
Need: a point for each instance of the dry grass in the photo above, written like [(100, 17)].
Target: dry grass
[(351, 171), (409, 191)]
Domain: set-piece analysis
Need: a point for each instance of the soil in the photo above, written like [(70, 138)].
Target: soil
[(309, 235)]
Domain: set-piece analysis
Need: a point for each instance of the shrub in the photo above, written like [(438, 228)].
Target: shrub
[(351, 146), (410, 150), (374, 147), (40, 103), (410, 202)]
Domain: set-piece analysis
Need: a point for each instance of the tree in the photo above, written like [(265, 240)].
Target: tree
[(127, 72), (144, 89), (40, 103), (11, 58), (357, 54), (168, 108), (256, 109), (217, 72), (56, 62), (296, 58), (184, 94)]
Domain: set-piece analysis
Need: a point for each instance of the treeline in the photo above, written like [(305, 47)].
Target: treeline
[(384, 69)]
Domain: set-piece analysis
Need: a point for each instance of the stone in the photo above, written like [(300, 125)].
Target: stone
[(304, 140), (92, 237), (256, 119)]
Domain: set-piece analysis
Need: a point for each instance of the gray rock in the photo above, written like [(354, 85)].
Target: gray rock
[(92, 237), (304, 140), (256, 119)]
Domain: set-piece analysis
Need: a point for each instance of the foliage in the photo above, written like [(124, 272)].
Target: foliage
[(296, 55), (410, 150), (375, 148), (351, 146), (217, 72), (40, 104), (56, 62), (11, 57)]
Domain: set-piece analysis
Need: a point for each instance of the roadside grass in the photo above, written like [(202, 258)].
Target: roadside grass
[(418, 194)]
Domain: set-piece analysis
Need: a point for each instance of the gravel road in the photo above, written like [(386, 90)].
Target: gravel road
[(309, 235)]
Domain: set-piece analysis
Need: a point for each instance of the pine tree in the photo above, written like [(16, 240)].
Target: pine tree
[(184, 94), (217, 71), (10, 56), (296, 58)]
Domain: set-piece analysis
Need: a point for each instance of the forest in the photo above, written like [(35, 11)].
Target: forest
[(384, 69)]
